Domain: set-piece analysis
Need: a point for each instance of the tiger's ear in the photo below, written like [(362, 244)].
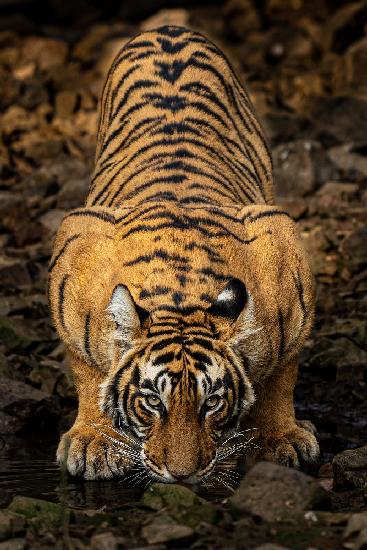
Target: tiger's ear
[(230, 301), (128, 316)]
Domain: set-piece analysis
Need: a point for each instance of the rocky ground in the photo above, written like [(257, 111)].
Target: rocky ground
[(305, 65)]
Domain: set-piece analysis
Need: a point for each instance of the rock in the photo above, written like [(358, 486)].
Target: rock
[(18, 334), (350, 468), (165, 529), (273, 492), (14, 273), (43, 514), (345, 26), (73, 193), (104, 541), (174, 16), (183, 504), (51, 220), (351, 160), (339, 119), (270, 546), (293, 168), (355, 58), (295, 208), (65, 103), (280, 9), (240, 18), (355, 534), (316, 244), (5, 525), (338, 191), (25, 405), (354, 248), (46, 52), (14, 544)]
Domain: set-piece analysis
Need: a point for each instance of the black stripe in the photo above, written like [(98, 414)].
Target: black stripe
[(61, 300), (64, 247)]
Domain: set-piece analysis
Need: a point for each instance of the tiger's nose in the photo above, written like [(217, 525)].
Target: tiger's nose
[(179, 475)]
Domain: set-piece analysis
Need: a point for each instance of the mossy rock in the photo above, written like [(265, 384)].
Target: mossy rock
[(40, 513), (180, 502)]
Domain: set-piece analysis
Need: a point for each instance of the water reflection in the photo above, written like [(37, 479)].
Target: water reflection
[(28, 468)]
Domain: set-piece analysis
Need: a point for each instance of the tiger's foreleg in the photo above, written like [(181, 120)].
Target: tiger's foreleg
[(279, 436), (86, 449)]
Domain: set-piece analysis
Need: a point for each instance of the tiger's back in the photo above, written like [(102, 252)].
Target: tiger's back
[(176, 125)]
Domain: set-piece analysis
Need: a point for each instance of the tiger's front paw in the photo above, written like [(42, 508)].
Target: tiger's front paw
[(297, 446), (88, 453)]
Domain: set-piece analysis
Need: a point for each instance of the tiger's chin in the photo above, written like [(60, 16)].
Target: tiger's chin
[(163, 475)]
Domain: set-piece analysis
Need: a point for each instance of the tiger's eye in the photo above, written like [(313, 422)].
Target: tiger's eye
[(153, 400), (212, 401)]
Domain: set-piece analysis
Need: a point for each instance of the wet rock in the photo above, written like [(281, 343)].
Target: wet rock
[(104, 541), (183, 504), (350, 468), (165, 529), (355, 534), (43, 514), (293, 168), (273, 492), (25, 405)]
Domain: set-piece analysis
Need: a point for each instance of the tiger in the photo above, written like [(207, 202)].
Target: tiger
[(183, 294)]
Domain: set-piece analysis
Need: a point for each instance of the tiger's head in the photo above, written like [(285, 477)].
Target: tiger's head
[(178, 383)]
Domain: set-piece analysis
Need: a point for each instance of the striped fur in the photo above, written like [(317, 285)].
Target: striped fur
[(178, 277)]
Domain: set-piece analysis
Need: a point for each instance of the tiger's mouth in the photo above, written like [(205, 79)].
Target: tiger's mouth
[(163, 474)]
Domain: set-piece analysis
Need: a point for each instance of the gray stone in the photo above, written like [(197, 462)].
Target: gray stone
[(273, 492), (13, 544), (350, 468), (355, 534), (104, 541), (348, 160), (5, 525), (270, 546), (165, 529), (293, 168)]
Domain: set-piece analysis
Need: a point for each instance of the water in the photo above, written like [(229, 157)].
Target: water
[(30, 470)]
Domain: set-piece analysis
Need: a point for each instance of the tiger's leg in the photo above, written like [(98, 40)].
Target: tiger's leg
[(84, 450), (279, 436)]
